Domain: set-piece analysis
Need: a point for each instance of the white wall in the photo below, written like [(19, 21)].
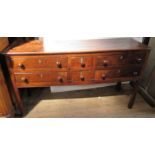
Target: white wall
[(138, 38), (48, 40)]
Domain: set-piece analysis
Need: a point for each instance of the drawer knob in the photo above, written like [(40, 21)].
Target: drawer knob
[(60, 79), (59, 64), (24, 79), (105, 63), (103, 76), (139, 60), (82, 78), (82, 62), (21, 66), (135, 73), (121, 57)]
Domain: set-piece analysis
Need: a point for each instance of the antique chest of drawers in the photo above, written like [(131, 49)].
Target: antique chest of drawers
[(75, 63)]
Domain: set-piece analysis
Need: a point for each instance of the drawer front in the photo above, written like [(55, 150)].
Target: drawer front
[(137, 58), (103, 61), (101, 75), (81, 62), (81, 76), (25, 63), (29, 78)]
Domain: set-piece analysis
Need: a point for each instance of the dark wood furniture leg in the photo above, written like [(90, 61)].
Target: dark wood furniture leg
[(118, 86), (6, 108), (15, 94), (18, 100), (133, 95)]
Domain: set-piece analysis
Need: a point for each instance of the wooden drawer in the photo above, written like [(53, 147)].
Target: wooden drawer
[(81, 62), (25, 63), (30, 78), (137, 57), (81, 76), (101, 75), (103, 61)]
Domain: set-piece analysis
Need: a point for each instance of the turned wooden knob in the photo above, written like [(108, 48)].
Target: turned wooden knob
[(60, 79), (121, 57), (139, 60), (23, 79), (82, 78), (103, 76), (82, 62), (105, 63), (21, 66), (135, 73), (58, 64)]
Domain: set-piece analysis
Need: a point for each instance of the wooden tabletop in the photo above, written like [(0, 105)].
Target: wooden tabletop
[(3, 43), (94, 45)]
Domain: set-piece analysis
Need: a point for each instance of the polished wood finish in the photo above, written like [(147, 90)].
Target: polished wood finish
[(6, 107), (81, 76), (3, 42), (81, 62), (29, 78), (75, 63), (133, 96), (25, 63), (111, 60), (78, 46)]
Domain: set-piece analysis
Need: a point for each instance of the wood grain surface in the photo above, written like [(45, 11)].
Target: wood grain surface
[(75, 63), (6, 108), (3, 43), (96, 45)]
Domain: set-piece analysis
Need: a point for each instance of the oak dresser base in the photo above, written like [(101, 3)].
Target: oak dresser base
[(76, 63)]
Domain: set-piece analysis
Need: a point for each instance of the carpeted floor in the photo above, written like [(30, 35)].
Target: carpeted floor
[(93, 103)]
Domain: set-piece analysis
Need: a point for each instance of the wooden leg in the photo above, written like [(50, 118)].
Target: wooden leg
[(133, 96), (18, 101), (132, 83), (14, 91), (118, 86)]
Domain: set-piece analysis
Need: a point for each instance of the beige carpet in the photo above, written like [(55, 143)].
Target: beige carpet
[(92, 103)]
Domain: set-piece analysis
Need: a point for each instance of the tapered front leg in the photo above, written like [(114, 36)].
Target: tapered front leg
[(133, 95), (18, 100), (118, 86)]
